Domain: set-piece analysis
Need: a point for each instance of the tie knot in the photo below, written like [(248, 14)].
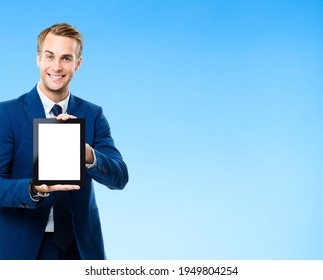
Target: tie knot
[(56, 110)]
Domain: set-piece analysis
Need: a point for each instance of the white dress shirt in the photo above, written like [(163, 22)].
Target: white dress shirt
[(48, 105)]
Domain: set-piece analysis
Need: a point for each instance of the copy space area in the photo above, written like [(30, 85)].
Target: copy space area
[(59, 151)]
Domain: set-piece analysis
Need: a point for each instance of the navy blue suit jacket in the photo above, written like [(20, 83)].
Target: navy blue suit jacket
[(22, 221)]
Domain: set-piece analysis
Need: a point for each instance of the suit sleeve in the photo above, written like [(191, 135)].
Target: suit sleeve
[(110, 170), (13, 192)]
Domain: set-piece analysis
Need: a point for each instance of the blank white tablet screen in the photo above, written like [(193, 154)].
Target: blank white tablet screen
[(59, 151)]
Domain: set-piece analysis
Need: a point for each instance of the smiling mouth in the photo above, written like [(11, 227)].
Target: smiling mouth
[(56, 77)]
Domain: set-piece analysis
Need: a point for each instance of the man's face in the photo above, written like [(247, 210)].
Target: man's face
[(57, 62)]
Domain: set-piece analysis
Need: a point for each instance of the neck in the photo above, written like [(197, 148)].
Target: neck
[(55, 96)]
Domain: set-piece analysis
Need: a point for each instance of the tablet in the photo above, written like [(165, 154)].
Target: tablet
[(59, 151)]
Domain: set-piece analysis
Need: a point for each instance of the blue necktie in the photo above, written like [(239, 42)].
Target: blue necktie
[(56, 110), (63, 228)]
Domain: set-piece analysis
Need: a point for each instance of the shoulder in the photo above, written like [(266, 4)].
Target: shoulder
[(86, 104), (19, 101), (12, 104), (86, 108), (9, 110)]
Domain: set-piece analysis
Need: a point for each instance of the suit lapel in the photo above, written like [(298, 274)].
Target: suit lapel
[(33, 106), (72, 105)]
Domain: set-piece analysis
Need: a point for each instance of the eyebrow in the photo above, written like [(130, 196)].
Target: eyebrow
[(64, 55), (47, 51)]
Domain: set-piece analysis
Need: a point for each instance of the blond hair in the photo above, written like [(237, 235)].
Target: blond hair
[(61, 29)]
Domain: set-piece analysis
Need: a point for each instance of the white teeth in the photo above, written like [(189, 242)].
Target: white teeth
[(56, 77)]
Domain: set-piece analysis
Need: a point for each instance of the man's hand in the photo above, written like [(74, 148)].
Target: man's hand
[(89, 157), (64, 117), (46, 189)]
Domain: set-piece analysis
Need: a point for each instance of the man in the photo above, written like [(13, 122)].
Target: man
[(29, 225)]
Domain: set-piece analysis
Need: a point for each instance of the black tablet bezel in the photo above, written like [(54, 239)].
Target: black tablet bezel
[(49, 182)]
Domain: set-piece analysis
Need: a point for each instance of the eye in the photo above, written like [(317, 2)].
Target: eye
[(67, 59), (50, 57)]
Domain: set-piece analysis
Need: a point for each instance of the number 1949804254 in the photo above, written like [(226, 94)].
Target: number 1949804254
[(208, 270)]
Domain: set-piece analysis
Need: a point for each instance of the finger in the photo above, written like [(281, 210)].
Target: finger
[(44, 188), (65, 117), (63, 188)]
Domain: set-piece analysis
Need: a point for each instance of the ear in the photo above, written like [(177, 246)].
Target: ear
[(38, 58), (78, 63)]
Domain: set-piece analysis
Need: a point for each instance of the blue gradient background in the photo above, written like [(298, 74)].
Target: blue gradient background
[(216, 107)]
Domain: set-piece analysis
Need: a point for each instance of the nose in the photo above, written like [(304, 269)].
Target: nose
[(56, 66)]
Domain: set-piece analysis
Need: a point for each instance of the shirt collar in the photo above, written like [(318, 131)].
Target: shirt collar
[(48, 103)]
